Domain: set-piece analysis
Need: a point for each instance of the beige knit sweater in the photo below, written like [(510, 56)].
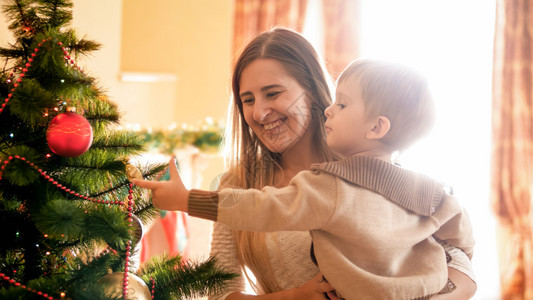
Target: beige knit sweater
[(372, 224)]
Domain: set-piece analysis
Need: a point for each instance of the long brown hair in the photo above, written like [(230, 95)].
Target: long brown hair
[(252, 164)]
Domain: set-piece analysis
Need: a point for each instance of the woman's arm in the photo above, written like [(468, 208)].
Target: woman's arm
[(313, 289), (223, 248)]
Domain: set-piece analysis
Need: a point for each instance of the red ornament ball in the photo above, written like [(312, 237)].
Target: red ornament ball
[(69, 135)]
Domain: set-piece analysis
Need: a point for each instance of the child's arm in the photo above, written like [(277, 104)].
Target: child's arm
[(167, 195), (306, 204)]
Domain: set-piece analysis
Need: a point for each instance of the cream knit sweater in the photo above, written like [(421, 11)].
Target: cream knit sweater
[(289, 258)]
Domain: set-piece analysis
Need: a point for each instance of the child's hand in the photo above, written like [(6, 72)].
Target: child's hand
[(167, 195)]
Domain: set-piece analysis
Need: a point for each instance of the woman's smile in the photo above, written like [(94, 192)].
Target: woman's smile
[(272, 125)]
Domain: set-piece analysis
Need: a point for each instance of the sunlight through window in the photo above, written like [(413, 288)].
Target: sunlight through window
[(451, 43)]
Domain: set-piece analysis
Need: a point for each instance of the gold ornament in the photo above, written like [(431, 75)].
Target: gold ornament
[(137, 289), (133, 173), (137, 229), (137, 235)]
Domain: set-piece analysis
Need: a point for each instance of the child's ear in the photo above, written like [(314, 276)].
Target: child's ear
[(379, 128)]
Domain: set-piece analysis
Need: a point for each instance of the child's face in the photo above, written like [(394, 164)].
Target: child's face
[(346, 124), (274, 105)]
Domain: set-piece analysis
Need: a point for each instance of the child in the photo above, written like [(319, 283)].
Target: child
[(376, 227)]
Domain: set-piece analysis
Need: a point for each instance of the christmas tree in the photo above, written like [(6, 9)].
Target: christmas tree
[(70, 218)]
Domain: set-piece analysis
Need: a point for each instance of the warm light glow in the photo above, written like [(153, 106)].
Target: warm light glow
[(451, 43)]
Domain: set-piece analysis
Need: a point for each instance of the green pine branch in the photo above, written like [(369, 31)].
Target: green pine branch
[(176, 279)]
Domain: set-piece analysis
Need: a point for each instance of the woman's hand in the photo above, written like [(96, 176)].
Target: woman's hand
[(316, 288), (167, 195)]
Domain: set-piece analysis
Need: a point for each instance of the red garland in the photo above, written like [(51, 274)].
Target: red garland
[(54, 182), (130, 220), (28, 65), (15, 283), (128, 247), (153, 287)]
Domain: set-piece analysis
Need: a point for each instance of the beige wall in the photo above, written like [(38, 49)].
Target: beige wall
[(5, 34), (190, 39)]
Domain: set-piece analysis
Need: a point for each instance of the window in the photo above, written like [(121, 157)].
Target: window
[(451, 43)]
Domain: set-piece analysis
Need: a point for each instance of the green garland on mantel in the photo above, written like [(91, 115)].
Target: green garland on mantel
[(206, 138)]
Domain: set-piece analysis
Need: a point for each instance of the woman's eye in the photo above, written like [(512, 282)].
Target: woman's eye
[(341, 105), (248, 100), (272, 94)]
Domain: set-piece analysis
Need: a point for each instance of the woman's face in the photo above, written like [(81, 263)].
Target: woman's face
[(275, 106)]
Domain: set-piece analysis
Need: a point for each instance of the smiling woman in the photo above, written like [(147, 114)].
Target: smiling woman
[(274, 105), (451, 42)]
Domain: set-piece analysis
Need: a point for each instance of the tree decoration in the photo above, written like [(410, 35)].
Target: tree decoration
[(33, 291), (206, 136), (137, 234), (133, 173), (69, 134), (136, 287)]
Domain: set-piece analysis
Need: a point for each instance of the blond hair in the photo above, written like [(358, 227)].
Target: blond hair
[(251, 163), (396, 92)]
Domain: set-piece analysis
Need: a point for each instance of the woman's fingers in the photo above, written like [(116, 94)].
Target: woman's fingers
[(333, 296), (325, 287), (328, 289)]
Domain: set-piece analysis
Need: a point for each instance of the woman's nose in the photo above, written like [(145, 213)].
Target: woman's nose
[(261, 111)]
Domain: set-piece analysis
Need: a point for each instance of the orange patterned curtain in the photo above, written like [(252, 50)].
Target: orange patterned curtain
[(255, 16), (341, 33), (341, 25), (512, 151)]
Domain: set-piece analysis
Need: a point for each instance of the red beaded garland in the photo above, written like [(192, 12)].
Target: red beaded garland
[(12, 281), (60, 186), (28, 64), (153, 287), (128, 247), (54, 182)]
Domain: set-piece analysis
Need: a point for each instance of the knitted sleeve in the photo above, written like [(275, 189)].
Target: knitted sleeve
[(223, 248), (455, 225), (307, 203)]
